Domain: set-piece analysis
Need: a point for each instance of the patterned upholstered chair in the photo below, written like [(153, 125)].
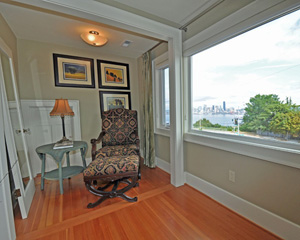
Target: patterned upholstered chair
[(118, 161)]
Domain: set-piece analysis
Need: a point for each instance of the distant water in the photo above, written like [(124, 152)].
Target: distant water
[(222, 119)]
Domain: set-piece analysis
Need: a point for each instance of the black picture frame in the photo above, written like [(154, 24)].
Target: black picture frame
[(113, 75), (121, 99), (73, 71)]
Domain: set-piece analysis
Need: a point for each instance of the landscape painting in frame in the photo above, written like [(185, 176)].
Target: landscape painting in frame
[(113, 100), (76, 72), (113, 75), (72, 71)]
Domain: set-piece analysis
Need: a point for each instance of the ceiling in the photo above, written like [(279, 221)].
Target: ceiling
[(174, 13), (47, 26)]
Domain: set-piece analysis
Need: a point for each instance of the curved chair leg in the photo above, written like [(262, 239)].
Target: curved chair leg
[(100, 200), (129, 199), (114, 192)]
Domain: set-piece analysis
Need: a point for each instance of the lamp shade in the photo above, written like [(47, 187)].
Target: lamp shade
[(61, 108), (93, 38)]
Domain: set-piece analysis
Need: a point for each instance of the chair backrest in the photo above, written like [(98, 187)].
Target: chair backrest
[(120, 126)]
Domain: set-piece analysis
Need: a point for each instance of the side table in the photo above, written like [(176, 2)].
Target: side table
[(58, 154)]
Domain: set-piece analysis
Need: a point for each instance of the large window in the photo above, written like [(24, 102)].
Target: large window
[(250, 85)]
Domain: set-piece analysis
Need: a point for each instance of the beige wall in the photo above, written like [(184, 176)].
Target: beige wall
[(11, 41), (271, 186), (36, 81), (9, 38), (162, 147)]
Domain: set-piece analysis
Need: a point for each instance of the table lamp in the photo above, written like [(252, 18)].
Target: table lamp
[(62, 109)]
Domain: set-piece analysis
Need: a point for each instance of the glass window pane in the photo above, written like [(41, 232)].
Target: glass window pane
[(166, 97), (250, 84)]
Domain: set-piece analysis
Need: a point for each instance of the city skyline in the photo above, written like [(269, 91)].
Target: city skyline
[(217, 108)]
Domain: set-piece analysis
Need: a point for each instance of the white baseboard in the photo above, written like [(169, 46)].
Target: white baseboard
[(163, 165), (267, 220)]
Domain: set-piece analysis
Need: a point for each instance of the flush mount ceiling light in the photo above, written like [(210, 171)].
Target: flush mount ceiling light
[(93, 38)]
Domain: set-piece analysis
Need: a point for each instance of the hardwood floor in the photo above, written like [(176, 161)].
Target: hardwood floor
[(162, 212)]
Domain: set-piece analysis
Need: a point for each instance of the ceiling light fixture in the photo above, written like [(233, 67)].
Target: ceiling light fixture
[(93, 38)]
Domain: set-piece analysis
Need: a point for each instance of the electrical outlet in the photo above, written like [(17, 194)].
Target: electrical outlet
[(231, 176)]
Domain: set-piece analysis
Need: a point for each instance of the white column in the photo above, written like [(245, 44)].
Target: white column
[(176, 113)]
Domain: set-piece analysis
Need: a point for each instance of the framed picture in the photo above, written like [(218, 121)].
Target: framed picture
[(71, 71), (113, 75), (112, 100)]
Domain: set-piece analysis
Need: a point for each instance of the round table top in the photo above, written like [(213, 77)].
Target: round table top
[(57, 154)]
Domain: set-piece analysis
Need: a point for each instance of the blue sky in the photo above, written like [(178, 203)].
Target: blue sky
[(265, 60)]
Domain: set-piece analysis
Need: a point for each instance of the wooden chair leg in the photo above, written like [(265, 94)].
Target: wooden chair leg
[(100, 200), (114, 192), (129, 199)]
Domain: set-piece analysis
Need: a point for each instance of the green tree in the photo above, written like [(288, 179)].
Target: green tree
[(287, 123), (268, 113), (203, 123), (206, 123), (260, 111)]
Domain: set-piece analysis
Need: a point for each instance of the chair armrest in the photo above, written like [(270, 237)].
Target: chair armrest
[(94, 144)]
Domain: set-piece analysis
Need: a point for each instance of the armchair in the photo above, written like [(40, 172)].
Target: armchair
[(119, 158)]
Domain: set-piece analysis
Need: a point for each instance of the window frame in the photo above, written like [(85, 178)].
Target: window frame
[(270, 150), (158, 65)]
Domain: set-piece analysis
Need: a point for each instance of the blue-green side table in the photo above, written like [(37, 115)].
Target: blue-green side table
[(58, 154)]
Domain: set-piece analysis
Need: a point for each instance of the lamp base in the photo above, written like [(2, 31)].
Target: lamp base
[(64, 139), (63, 143)]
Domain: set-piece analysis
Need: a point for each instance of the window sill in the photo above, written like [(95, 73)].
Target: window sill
[(162, 131), (273, 151)]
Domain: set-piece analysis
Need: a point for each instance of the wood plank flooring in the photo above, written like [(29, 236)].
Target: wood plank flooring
[(162, 212)]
